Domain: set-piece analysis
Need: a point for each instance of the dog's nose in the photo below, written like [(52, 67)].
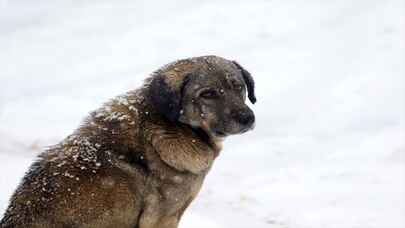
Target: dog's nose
[(244, 117)]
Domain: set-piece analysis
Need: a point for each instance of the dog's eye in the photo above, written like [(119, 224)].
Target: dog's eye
[(209, 94)]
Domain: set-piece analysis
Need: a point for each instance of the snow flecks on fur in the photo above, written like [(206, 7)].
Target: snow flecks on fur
[(108, 115), (121, 108), (81, 152)]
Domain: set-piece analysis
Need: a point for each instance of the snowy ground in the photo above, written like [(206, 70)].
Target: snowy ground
[(328, 149)]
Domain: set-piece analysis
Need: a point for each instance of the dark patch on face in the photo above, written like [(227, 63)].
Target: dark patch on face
[(165, 99), (183, 87)]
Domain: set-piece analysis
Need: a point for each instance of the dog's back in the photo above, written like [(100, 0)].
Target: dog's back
[(77, 182)]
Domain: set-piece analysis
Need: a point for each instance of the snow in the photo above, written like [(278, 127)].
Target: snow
[(328, 148)]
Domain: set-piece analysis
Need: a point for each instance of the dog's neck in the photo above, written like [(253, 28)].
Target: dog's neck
[(214, 142)]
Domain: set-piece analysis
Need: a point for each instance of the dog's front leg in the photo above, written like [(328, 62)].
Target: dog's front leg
[(168, 222), (153, 216), (162, 222)]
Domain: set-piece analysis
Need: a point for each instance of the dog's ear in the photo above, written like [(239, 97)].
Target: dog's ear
[(167, 100), (250, 83)]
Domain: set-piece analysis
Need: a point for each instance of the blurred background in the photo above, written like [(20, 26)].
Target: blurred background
[(328, 149)]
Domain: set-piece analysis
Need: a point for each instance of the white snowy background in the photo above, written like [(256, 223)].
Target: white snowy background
[(328, 149)]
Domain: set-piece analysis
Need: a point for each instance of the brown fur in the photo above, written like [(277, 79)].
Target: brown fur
[(126, 166)]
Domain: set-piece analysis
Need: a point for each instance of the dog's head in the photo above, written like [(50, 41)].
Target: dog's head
[(207, 92)]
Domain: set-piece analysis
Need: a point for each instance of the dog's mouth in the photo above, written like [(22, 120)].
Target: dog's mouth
[(219, 134), (211, 136)]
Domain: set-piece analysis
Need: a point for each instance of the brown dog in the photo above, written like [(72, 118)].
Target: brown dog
[(139, 160)]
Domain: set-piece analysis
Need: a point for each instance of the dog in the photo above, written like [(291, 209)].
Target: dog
[(140, 159)]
